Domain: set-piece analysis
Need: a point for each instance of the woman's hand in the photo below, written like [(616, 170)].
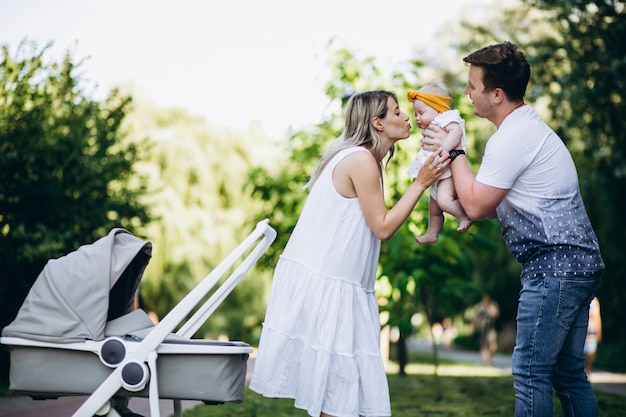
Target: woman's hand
[(432, 169), (433, 137)]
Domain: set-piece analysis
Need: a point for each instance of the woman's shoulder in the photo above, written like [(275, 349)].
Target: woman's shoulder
[(354, 149), (359, 155), (354, 153)]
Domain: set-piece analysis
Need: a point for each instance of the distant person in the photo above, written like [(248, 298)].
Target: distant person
[(320, 342), (594, 335), (449, 333), (437, 332), (431, 104), (527, 178), (485, 314)]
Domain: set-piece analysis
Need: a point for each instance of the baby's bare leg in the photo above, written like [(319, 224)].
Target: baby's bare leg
[(435, 223), (448, 202)]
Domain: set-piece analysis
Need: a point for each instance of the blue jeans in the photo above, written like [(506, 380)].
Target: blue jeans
[(552, 318)]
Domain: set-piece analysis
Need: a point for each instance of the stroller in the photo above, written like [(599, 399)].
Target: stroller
[(77, 333)]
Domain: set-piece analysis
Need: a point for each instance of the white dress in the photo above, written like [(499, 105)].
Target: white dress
[(320, 343)]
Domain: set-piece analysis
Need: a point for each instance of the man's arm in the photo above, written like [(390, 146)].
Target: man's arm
[(453, 138), (478, 200)]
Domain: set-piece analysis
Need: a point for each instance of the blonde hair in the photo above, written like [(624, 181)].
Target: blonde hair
[(436, 87), (361, 109)]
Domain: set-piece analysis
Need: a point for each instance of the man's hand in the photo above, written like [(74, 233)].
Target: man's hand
[(433, 137)]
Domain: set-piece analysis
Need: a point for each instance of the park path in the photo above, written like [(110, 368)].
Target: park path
[(613, 383)]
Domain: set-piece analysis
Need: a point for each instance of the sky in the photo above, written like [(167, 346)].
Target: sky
[(236, 61)]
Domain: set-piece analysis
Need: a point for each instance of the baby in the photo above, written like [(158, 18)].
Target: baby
[(431, 104)]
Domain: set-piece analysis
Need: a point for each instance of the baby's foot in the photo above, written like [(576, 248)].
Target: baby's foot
[(464, 224), (426, 239)]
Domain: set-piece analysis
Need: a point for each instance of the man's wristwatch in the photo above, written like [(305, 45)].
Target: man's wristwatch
[(456, 152)]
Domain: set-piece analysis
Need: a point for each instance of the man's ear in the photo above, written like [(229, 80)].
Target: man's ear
[(498, 95)]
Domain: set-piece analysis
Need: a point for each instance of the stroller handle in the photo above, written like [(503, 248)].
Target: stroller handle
[(193, 324), (263, 236)]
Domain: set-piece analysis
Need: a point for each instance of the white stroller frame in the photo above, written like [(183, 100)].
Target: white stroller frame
[(134, 362)]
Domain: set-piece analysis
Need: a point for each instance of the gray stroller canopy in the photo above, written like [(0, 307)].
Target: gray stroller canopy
[(75, 295)]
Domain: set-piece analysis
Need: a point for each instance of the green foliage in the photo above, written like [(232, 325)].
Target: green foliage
[(610, 355), (197, 174), (439, 279), (586, 81), (280, 189), (66, 171), (433, 279), (496, 272), (578, 80)]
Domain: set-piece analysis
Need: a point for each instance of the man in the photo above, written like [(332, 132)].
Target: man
[(527, 179)]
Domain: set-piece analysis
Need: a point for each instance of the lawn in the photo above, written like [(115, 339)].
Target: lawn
[(468, 391)]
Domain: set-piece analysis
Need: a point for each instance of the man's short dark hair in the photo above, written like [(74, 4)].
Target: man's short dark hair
[(504, 66)]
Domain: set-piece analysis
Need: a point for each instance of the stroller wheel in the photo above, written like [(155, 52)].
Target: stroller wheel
[(135, 376), (112, 352)]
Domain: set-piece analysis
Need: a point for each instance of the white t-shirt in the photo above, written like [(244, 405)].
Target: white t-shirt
[(543, 219)]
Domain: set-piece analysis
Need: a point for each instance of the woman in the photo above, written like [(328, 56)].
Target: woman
[(320, 339)]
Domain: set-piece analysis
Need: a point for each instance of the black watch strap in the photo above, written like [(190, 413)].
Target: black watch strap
[(456, 152)]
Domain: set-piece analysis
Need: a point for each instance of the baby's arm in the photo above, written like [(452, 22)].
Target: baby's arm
[(454, 136)]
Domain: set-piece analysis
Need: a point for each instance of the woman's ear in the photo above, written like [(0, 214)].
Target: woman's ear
[(377, 124)]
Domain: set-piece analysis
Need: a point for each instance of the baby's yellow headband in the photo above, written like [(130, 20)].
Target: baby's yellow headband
[(439, 103)]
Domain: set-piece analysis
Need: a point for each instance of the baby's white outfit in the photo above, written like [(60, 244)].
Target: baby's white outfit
[(442, 121)]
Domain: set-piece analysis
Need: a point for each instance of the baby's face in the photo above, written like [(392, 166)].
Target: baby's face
[(424, 114)]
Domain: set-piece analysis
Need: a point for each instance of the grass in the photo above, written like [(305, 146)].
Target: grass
[(468, 391)]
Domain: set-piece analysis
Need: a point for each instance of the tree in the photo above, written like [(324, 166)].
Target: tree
[(196, 174), (66, 171), (438, 280), (435, 280), (578, 81), (586, 83)]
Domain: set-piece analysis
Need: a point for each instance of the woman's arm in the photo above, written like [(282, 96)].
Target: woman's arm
[(598, 321), (362, 170)]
